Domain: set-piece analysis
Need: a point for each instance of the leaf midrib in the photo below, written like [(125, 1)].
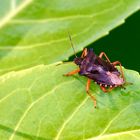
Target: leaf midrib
[(14, 12)]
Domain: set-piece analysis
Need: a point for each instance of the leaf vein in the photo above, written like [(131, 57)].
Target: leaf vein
[(113, 134), (69, 119), (10, 15), (110, 123), (31, 106), (68, 17)]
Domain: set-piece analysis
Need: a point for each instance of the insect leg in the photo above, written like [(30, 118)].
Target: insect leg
[(72, 72), (106, 90), (87, 90), (118, 63), (103, 54), (84, 53)]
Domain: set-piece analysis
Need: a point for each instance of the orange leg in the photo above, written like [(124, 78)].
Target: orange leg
[(87, 90), (103, 54), (106, 90), (118, 63), (72, 72), (84, 53)]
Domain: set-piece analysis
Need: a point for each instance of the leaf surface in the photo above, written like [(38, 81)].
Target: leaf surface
[(34, 32), (37, 102), (41, 104)]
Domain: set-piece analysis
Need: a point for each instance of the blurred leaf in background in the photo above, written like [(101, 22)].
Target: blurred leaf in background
[(35, 32)]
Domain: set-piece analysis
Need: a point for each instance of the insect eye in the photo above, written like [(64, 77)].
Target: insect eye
[(78, 60)]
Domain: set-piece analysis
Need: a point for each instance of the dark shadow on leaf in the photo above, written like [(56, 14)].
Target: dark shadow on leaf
[(21, 134), (122, 43)]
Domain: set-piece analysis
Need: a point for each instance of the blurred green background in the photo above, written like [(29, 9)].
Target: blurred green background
[(122, 44)]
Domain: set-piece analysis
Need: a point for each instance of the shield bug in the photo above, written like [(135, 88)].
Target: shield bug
[(101, 71)]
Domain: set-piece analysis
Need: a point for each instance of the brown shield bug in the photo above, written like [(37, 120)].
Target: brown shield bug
[(101, 71)]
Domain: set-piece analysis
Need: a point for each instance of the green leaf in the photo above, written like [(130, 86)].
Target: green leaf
[(7, 7), (41, 104), (34, 32)]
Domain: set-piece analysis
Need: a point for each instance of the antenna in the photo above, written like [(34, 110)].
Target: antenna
[(72, 44)]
